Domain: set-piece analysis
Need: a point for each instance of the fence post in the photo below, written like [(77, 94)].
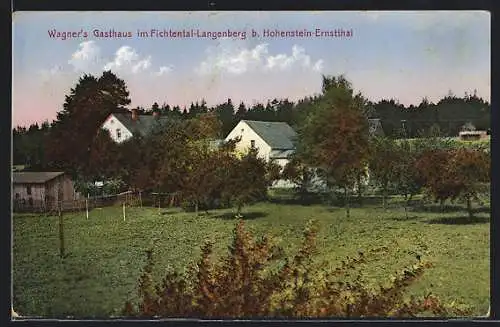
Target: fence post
[(61, 233), (140, 198), (87, 206), (123, 211)]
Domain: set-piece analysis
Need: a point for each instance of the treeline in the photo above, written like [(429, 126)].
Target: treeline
[(334, 143), (110, 94)]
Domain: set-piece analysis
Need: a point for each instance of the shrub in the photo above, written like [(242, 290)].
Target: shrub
[(254, 281)]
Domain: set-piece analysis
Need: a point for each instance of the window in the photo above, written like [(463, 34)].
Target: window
[(111, 121), (252, 144), (118, 133), (28, 189), (17, 196)]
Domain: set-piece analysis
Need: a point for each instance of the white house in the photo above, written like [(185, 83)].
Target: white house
[(122, 126), (274, 140)]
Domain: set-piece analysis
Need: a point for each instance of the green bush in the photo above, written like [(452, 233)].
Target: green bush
[(254, 280)]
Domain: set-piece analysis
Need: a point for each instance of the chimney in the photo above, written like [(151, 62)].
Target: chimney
[(156, 114), (135, 114)]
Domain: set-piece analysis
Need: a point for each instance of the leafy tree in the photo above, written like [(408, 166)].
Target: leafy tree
[(469, 174), (102, 161), (85, 108), (273, 172), (201, 179), (246, 180), (408, 182), (433, 168), (384, 160), (335, 136), (300, 174)]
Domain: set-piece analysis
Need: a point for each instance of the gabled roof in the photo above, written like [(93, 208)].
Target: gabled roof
[(34, 177), (278, 135), (143, 125)]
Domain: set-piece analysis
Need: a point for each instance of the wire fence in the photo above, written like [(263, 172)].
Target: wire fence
[(129, 199)]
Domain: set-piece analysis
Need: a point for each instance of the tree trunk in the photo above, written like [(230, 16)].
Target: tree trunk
[(347, 207), (469, 207), (360, 192), (196, 207), (441, 205), (238, 210), (384, 198), (407, 201)]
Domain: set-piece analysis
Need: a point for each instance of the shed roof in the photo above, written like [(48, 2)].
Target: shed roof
[(33, 177)]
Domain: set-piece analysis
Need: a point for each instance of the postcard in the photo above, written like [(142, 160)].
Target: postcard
[(251, 165)]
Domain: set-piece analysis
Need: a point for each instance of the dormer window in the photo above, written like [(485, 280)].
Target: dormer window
[(118, 133)]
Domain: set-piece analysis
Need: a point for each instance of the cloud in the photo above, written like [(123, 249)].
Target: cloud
[(163, 70), (318, 66), (142, 65), (85, 57), (126, 58), (298, 57), (235, 61)]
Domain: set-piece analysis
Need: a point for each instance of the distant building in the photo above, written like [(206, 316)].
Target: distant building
[(17, 168), (40, 191), (122, 126), (472, 135), (375, 127)]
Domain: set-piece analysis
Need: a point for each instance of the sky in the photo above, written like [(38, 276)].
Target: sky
[(389, 55)]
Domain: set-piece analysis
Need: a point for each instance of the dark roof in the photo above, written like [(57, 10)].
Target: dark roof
[(143, 125), (34, 177), (278, 135)]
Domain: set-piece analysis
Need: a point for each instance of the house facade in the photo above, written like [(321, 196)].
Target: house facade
[(40, 191), (273, 140), (123, 126)]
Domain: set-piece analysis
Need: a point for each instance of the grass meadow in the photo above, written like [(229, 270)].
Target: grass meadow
[(105, 254)]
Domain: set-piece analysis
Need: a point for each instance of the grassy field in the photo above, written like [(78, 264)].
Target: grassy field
[(105, 254)]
